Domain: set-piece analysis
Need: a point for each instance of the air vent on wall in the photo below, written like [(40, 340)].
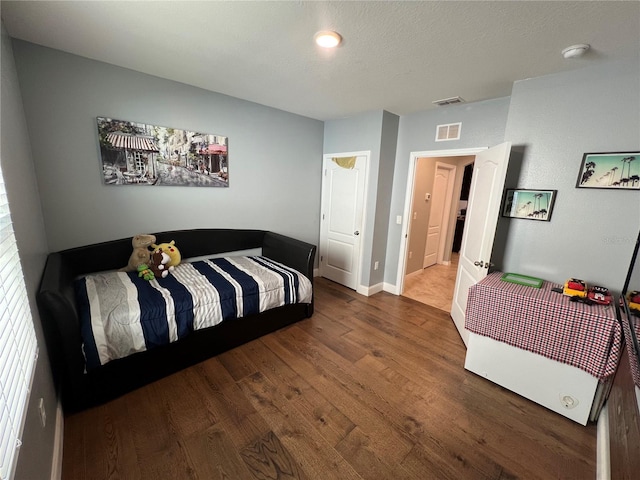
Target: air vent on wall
[(450, 131), (448, 101)]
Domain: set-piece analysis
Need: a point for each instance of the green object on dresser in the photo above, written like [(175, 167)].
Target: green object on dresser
[(522, 280)]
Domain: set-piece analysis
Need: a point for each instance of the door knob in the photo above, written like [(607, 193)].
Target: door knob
[(478, 264), (356, 233)]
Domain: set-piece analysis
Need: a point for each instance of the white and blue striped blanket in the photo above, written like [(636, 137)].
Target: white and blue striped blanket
[(121, 314)]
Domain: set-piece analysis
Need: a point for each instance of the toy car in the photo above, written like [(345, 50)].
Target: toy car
[(634, 300), (599, 295), (575, 288)]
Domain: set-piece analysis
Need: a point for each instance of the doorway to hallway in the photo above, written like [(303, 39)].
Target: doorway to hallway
[(488, 177), (433, 282)]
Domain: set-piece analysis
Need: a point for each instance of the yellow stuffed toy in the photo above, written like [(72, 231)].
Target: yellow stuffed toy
[(171, 250)]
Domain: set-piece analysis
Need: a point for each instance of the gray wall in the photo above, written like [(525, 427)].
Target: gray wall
[(34, 460), (483, 125), (275, 157), (419, 214), (388, 145), (375, 132), (556, 119)]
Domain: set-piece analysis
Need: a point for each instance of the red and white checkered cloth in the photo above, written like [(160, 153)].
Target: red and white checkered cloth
[(588, 337)]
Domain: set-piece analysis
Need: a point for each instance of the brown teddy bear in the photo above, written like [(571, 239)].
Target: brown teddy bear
[(158, 264), (141, 253)]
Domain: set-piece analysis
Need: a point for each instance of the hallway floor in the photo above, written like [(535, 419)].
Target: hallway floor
[(433, 285)]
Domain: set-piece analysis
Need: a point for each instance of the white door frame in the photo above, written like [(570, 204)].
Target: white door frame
[(413, 158), (363, 229)]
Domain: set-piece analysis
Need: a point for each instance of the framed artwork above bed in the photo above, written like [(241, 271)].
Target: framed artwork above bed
[(135, 153)]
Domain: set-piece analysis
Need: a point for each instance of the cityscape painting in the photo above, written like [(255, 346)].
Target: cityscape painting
[(529, 204), (141, 154), (618, 170)]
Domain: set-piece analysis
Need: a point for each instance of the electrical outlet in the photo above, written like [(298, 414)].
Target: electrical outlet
[(568, 401), (376, 265), (410, 254), (399, 219), (43, 413)]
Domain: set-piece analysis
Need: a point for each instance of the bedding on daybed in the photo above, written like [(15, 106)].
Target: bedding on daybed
[(121, 314)]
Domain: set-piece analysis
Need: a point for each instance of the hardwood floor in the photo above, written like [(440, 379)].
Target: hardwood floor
[(368, 388)]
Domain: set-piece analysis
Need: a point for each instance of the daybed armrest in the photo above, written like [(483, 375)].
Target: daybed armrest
[(293, 253), (60, 324)]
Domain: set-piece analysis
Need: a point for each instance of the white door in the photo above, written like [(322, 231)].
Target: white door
[(341, 222), (439, 213), (489, 171)]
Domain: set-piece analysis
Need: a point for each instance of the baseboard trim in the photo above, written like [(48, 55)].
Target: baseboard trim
[(368, 291), (390, 288), (603, 455), (58, 443)]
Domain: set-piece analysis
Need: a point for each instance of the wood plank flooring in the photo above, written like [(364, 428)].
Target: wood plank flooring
[(368, 388)]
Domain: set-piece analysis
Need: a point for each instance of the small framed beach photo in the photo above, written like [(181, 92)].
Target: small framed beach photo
[(529, 204)]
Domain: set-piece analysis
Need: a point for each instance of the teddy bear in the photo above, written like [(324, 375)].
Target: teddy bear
[(159, 264), (141, 253)]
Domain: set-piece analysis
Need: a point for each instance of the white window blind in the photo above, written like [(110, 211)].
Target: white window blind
[(18, 348)]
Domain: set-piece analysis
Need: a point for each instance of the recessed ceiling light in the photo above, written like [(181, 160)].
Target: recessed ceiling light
[(575, 51), (328, 39)]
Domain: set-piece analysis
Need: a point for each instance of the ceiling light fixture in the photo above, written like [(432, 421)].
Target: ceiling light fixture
[(328, 39), (575, 51)]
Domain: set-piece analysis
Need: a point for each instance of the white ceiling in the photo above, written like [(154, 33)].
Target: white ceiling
[(396, 56)]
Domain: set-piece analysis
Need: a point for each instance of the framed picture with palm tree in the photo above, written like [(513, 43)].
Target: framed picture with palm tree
[(616, 170), (529, 204)]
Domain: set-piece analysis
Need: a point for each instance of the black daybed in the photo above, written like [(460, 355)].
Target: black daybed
[(80, 387)]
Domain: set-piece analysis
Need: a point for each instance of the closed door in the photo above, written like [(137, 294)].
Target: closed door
[(343, 195), (439, 213), (487, 184)]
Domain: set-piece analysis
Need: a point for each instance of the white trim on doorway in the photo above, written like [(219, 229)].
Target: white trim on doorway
[(413, 157)]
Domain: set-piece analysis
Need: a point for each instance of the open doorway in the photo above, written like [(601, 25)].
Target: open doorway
[(439, 199)]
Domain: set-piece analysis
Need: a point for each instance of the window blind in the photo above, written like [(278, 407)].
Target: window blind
[(18, 348)]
